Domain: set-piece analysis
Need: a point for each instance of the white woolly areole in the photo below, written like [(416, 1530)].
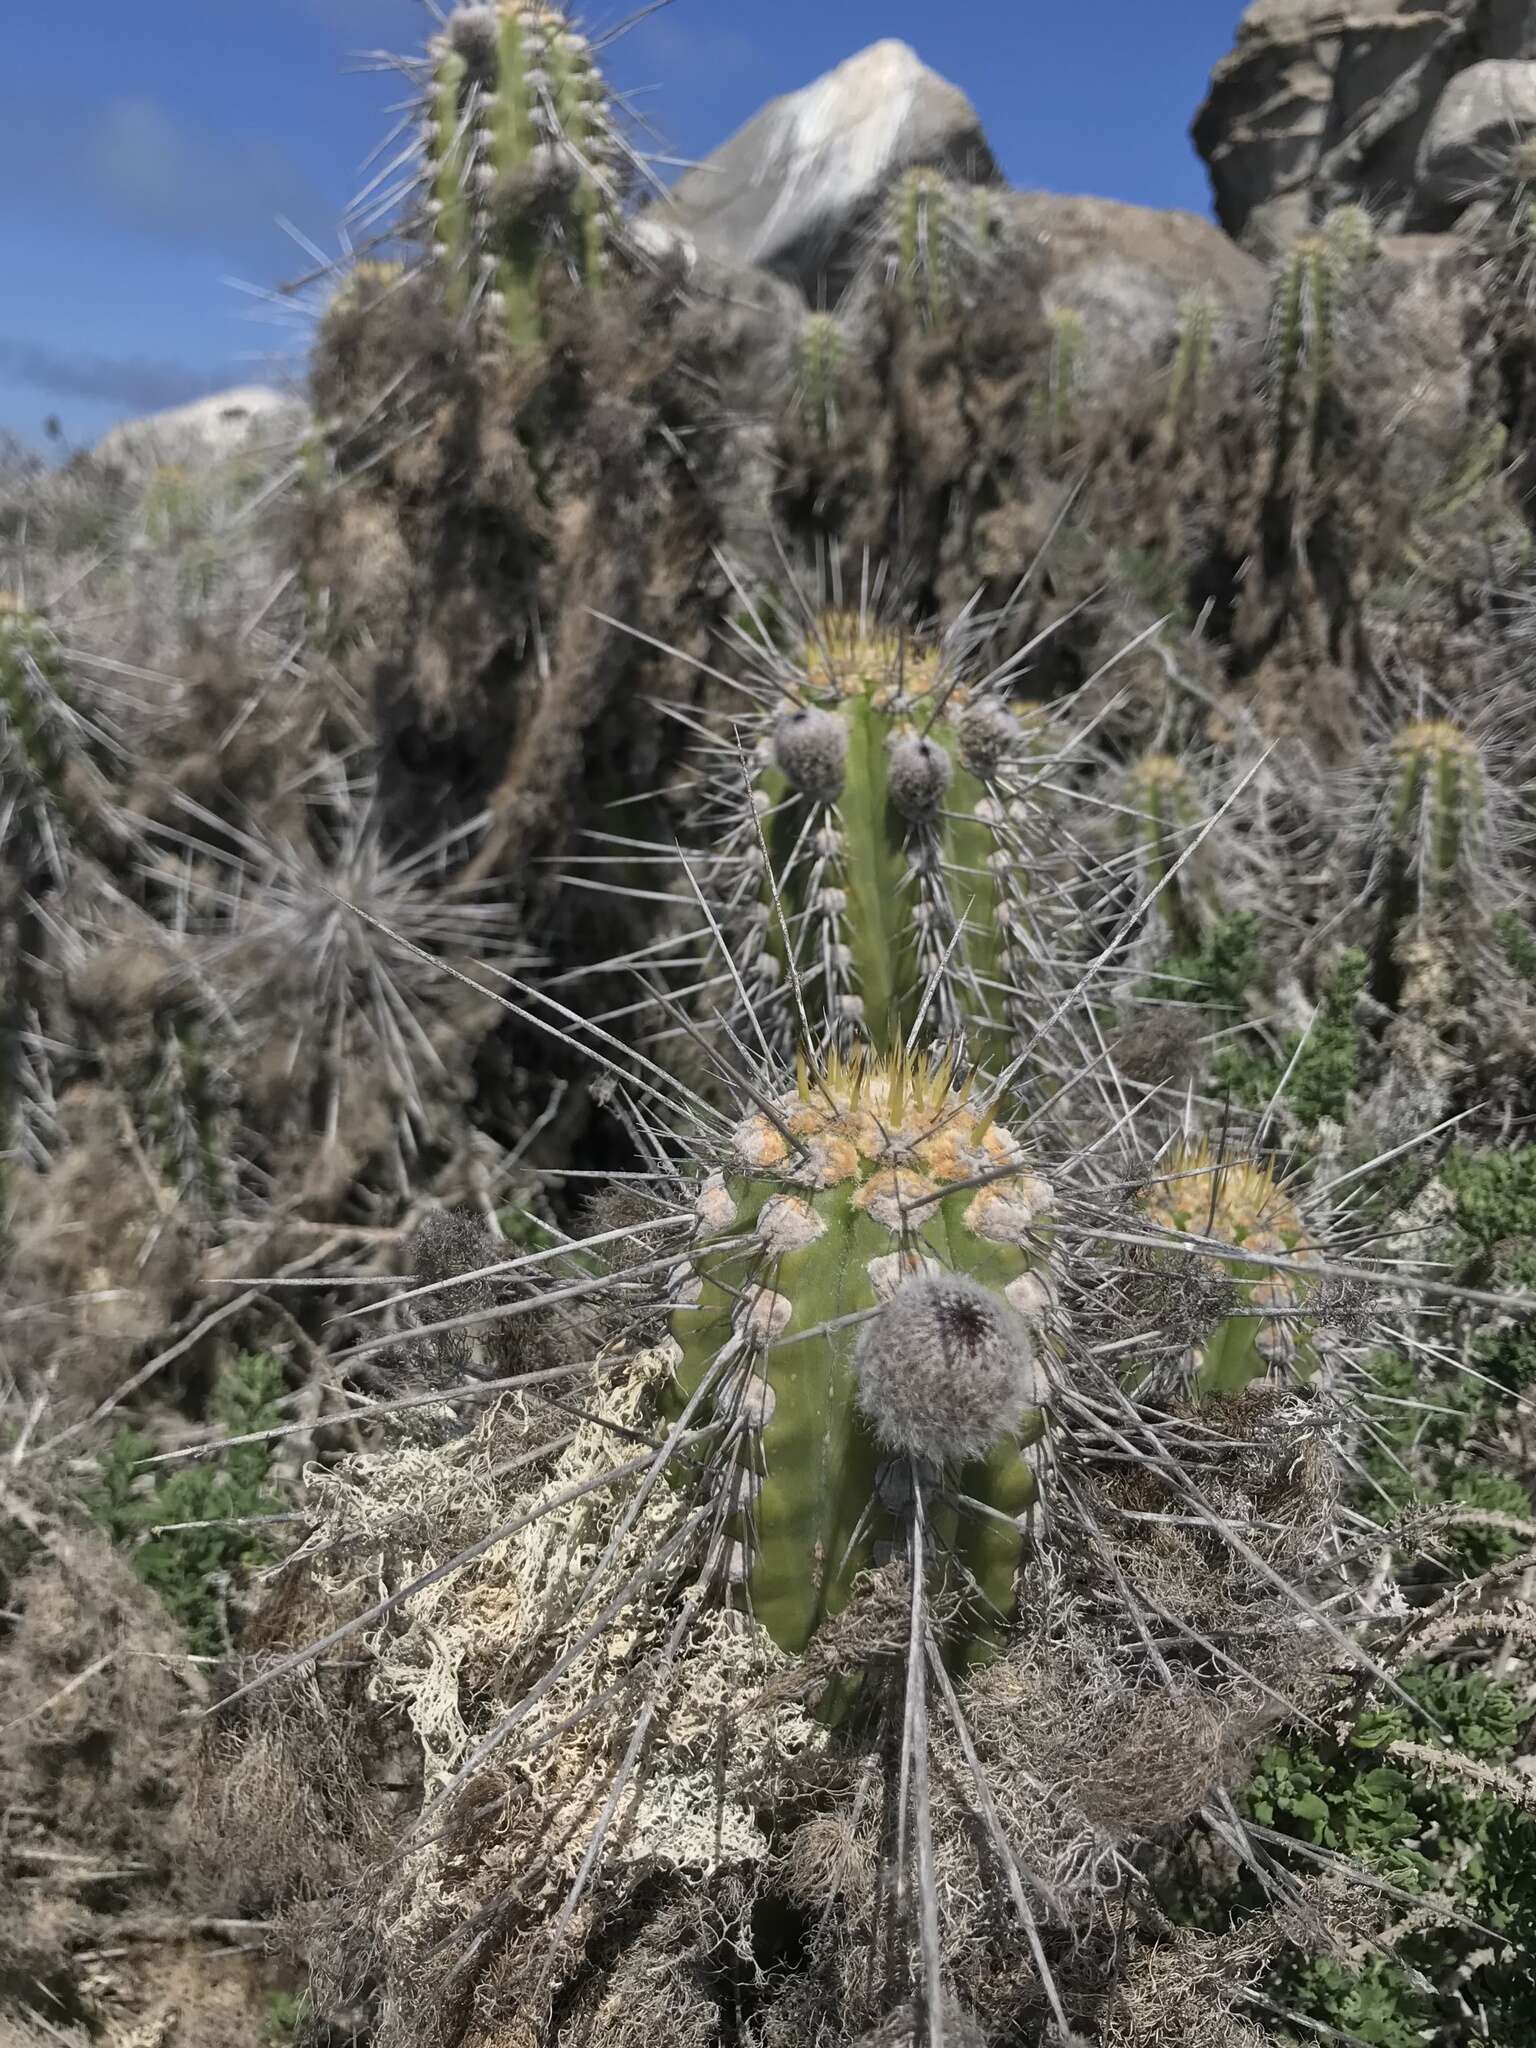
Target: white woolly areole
[(946, 1369), (888, 1275), (763, 1314), (1033, 1295), (787, 1224), (988, 735), (716, 1206), (917, 775), (1009, 1211)]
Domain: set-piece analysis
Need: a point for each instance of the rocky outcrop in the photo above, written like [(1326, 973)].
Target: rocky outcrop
[(1323, 102), (1124, 270), (1483, 112), (208, 431), (793, 189)]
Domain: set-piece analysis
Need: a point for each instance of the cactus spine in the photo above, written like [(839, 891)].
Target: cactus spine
[(523, 161)]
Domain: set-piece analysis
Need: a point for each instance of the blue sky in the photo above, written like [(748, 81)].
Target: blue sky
[(146, 152)]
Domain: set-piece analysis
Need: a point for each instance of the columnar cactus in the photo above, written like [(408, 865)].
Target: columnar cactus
[(1302, 334), (1190, 374), (524, 161), (896, 865), (1240, 1203), (43, 737), (820, 350), (1160, 817), (870, 1284), (1429, 839)]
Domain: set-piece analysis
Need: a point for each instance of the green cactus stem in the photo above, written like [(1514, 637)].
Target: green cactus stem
[(1302, 333), (1161, 814), (522, 161), (1431, 819), (907, 865), (1240, 1202), (820, 351), (839, 1187), (1192, 360)]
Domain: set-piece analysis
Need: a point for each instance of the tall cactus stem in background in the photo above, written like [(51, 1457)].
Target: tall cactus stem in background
[(522, 161)]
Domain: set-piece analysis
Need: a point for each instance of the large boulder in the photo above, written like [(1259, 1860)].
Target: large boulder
[(1324, 102), (206, 432), (1483, 113), (795, 189), (1125, 271)]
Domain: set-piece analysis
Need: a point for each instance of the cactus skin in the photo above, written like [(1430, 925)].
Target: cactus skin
[(871, 899), (41, 736), (830, 1236), (1239, 1202), (1056, 407), (522, 161)]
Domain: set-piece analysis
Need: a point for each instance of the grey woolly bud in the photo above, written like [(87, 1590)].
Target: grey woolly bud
[(945, 1369), (917, 777), (988, 735), (811, 749), (472, 32)]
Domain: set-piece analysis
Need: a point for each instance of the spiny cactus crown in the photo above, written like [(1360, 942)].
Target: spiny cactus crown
[(1241, 1202)]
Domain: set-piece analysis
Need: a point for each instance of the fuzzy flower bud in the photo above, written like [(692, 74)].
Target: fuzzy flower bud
[(917, 777), (811, 749), (945, 1369), (988, 735)]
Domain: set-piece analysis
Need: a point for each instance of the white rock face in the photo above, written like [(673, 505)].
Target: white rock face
[(1479, 118), (792, 189), (208, 431)]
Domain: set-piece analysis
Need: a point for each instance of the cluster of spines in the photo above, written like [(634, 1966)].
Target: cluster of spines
[(524, 160)]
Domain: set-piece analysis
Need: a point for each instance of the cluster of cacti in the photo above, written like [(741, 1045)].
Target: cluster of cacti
[(525, 172), (836, 1587)]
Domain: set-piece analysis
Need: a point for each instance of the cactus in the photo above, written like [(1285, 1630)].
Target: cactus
[(40, 732), (1191, 370), (524, 161), (833, 1202), (896, 853), (1430, 835), (934, 240), (1302, 335), (1350, 236), (1161, 814), (1240, 1202), (1055, 405), (820, 350)]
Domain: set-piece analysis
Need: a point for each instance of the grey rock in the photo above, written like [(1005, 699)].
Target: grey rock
[(208, 431), (1125, 270), (1484, 113), (1327, 102), (796, 187)]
